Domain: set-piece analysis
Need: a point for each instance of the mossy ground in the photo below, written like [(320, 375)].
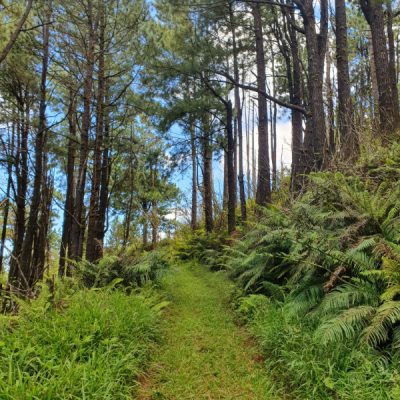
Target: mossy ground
[(204, 354)]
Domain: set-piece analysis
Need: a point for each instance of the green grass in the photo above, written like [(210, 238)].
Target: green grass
[(307, 369), (204, 355), (93, 345)]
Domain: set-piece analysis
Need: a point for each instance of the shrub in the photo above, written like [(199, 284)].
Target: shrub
[(92, 346)]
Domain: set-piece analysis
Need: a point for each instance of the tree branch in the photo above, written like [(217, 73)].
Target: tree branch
[(17, 31), (282, 103)]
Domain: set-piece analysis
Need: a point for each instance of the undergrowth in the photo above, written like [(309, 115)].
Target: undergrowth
[(88, 344), (307, 369), (321, 281)]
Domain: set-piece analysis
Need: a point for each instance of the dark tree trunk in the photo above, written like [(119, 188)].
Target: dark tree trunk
[(248, 177), (273, 114), (314, 140), (10, 155), (253, 154), (94, 248), (78, 223), (207, 175), (193, 221), (374, 85), (225, 194), (154, 225), (230, 169), (392, 55), (296, 98), (145, 209), (104, 181), (347, 135), (41, 235), (388, 98), (288, 43), (69, 196), (263, 195), (26, 253), (21, 168), (239, 115), (331, 111)]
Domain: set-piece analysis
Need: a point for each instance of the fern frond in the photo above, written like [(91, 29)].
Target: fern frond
[(377, 331), (346, 325)]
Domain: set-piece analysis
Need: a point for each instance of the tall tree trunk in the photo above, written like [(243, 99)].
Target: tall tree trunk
[(26, 253), (21, 167), (78, 223), (154, 225), (231, 169), (101, 227), (10, 155), (374, 85), (296, 94), (145, 209), (93, 246), (207, 175), (248, 177), (253, 154), (263, 195), (40, 245), (193, 220), (225, 193), (65, 247), (349, 146), (273, 114), (314, 140), (388, 98), (239, 116), (331, 111), (392, 54)]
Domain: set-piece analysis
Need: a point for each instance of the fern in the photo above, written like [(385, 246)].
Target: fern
[(385, 316), (346, 325)]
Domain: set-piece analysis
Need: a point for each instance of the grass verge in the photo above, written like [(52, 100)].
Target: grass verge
[(91, 346)]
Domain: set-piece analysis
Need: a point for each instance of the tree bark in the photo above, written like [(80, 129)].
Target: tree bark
[(26, 253), (93, 245), (331, 111), (105, 179), (239, 115), (207, 175), (21, 168), (314, 140), (65, 247), (10, 155), (231, 169), (193, 220), (349, 146), (388, 98), (78, 224), (296, 94), (263, 195), (392, 54)]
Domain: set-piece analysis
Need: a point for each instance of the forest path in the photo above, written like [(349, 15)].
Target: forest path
[(204, 354)]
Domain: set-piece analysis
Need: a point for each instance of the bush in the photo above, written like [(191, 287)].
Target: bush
[(130, 269), (92, 345), (308, 369)]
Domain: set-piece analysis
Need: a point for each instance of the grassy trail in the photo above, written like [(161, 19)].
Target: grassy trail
[(204, 355)]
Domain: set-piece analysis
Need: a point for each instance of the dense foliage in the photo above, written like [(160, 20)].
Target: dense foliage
[(88, 344)]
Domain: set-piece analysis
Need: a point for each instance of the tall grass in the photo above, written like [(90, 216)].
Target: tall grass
[(89, 345), (307, 369)]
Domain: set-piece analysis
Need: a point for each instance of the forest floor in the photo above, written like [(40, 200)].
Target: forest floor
[(203, 353)]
